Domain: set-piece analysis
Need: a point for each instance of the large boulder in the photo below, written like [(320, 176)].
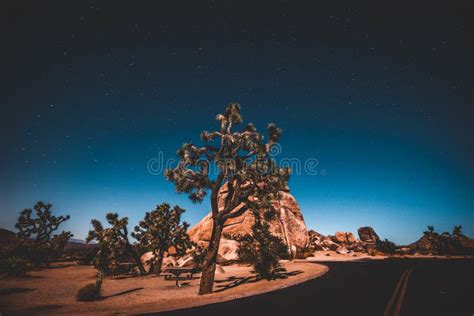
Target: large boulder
[(368, 234), (344, 238), (328, 243), (350, 238), (288, 224), (340, 237)]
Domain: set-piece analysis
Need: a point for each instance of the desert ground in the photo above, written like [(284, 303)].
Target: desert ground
[(365, 287), (52, 291)]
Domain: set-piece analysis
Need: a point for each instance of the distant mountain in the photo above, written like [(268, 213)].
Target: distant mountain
[(77, 241), (7, 236), (8, 239)]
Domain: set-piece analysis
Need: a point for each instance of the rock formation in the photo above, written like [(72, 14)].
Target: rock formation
[(345, 242), (288, 224), (442, 244), (367, 234)]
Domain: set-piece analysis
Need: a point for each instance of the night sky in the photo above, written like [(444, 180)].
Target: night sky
[(381, 95)]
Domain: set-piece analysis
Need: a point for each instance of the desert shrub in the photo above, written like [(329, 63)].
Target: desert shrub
[(14, 267), (263, 251), (90, 292), (304, 253), (386, 246)]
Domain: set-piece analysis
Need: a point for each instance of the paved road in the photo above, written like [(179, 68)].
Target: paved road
[(410, 287)]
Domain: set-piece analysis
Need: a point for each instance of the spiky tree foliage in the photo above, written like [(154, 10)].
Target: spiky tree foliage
[(262, 250), (242, 162), (160, 230), (113, 241), (36, 233), (457, 231), (39, 227), (430, 230)]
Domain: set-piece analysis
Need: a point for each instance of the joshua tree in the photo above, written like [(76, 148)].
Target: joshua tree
[(36, 233), (430, 230), (457, 230), (242, 162), (41, 227), (112, 241), (162, 229)]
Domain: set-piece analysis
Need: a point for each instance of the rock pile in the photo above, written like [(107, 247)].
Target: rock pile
[(345, 242)]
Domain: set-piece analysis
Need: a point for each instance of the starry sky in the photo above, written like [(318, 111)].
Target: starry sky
[(379, 94)]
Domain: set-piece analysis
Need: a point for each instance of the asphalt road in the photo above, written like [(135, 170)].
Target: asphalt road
[(408, 287)]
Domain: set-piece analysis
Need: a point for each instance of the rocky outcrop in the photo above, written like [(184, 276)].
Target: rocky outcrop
[(288, 224), (345, 242), (443, 244), (368, 234)]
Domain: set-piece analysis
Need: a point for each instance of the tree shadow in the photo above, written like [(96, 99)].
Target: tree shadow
[(40, 309), (15, 290), (60, 266), (121, 293), (128, 276), (183, 284), (233, 281), (287, 274)]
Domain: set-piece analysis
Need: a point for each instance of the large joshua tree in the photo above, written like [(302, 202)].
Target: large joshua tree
[(240, 160)]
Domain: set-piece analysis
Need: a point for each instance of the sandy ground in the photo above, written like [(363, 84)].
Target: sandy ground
[(53, 290), (330, 256)]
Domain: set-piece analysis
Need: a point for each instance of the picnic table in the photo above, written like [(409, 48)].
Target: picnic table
[(177, 271)]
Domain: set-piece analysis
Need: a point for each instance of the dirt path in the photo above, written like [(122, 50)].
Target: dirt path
[(52, 291)]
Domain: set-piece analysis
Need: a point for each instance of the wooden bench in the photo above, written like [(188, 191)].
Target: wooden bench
[(177, 271)]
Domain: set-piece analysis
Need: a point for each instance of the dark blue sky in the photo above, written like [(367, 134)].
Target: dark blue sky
[(380, 95)]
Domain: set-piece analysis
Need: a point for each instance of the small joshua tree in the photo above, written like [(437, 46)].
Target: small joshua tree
[(113, 241), (243, 164), (160, 230), (430, 230), (36, 233), (457, 231), (262, 250)]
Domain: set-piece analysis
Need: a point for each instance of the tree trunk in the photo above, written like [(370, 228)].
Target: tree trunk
[(136, 258), (209, 265), (159, 261)]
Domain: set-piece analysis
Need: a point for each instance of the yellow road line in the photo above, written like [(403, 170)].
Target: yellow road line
[(398, 307), (401, 287)]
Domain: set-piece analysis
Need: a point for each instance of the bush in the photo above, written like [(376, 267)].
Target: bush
[(263, 251), (88, 293), (304, 253), (14, 267), (91, 291), (386, 246)]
